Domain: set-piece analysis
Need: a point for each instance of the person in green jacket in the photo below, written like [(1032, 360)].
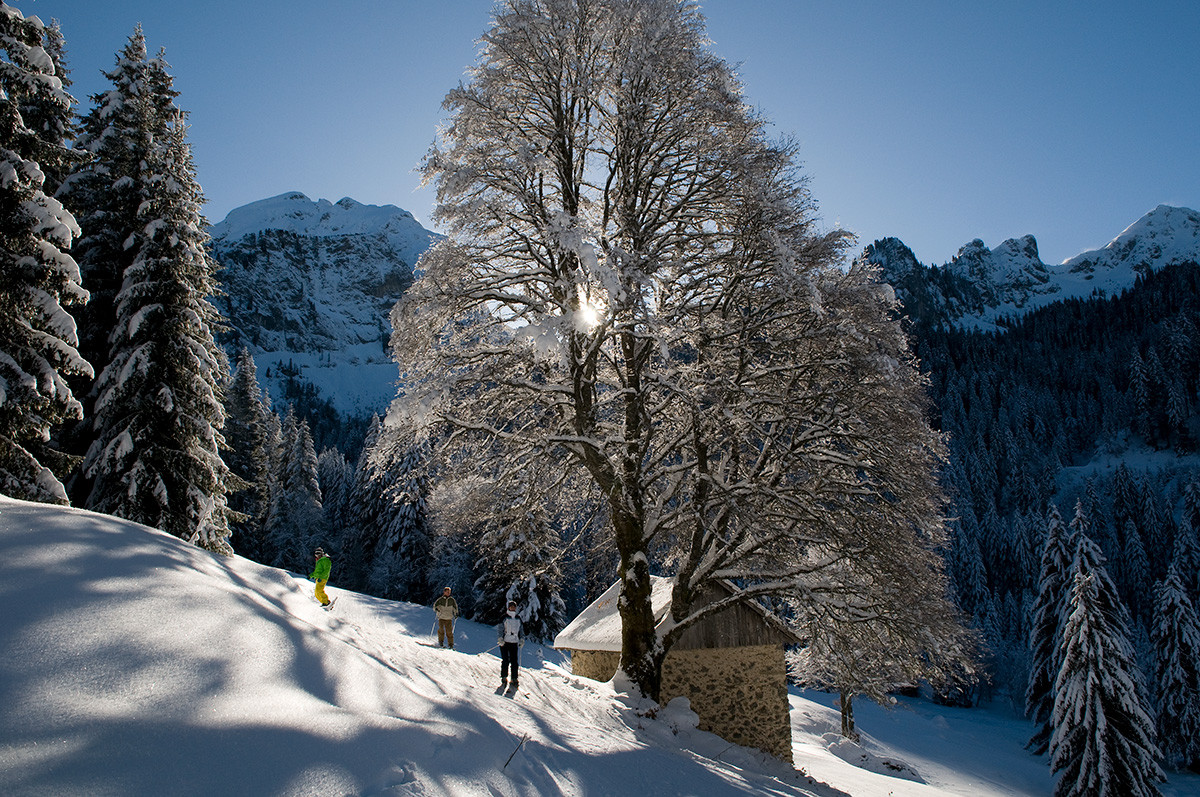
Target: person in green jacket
[(320, 574)]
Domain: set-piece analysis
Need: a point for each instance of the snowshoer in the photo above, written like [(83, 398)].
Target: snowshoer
[(510, 637), (446, 609), (320, 574)]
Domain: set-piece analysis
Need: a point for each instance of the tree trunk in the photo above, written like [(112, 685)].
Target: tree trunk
[(641, 656), (847, 705)]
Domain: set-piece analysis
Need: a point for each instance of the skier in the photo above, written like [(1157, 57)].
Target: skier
[(446, 609), (510, 637), (320, 574)]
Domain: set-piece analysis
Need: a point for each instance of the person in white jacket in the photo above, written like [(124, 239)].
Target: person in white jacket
[(510, 637)]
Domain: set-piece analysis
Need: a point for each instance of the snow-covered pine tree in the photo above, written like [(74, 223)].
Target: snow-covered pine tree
[(268, 546), (125, 124), (156, 457), (1103, 740), (520, 554), (1158, 531), (1186, 558), (1045, 635), (1176, 637), (46, 117), (389, 538), (39, 281), (295, 521), (1136, 582), (1191, 505), (248, 456), (965, 567), (399, 533), (336, 477)]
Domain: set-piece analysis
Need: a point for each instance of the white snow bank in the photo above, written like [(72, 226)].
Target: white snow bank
[(132, 663)]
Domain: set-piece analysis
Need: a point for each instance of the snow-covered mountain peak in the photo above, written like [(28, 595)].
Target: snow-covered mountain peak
[(295, 213), (979, 286), (1006, 275), (894, 257), (1023, 249), (1165, 236), (308, 286)]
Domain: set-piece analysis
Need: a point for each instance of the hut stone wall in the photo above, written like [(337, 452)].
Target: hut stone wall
[(599, 665), (739, 693)]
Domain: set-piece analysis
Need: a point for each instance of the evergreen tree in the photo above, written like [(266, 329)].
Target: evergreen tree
[(1126, 497), (295, 519), (1158, 530), (1139, 389), (398, 533), (966, 568), (1176, 636), (1186, 560), (46, 117), (124, 127), (336, 477), (1045, 632), (1135, 578), (1103, 740), (39, 281), (156, 457), (267, 544), (519, 559), (1191, 505), (248, 458)]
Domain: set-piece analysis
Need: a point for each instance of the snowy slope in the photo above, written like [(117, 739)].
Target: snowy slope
[(308, 286), (979, 285), (135, 664)]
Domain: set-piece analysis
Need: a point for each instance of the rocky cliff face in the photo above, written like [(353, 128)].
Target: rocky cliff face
[(308, 288), (980, 286)]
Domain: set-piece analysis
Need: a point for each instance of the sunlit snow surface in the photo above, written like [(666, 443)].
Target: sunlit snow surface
[(135, 664)]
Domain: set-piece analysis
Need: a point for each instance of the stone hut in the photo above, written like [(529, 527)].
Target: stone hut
[(730, 666)]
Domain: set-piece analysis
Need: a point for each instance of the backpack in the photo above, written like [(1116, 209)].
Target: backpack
[(512, 629)]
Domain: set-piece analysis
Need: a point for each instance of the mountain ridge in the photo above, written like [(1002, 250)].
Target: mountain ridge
[(980, 287)]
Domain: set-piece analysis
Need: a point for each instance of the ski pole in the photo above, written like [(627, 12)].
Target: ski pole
[(514, 752)]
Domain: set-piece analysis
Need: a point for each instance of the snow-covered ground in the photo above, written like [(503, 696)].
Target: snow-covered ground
[(134, 664)]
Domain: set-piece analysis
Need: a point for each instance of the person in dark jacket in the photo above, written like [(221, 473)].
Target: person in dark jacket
[(446, 609), (510, 637)]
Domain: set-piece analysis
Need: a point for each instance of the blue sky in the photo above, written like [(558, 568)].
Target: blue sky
[(935, 122)]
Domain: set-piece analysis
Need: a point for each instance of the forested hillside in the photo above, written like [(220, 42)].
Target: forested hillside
[(1091, 401)]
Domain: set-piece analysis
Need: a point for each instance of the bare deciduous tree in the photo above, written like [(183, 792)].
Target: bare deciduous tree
[(633, 286)]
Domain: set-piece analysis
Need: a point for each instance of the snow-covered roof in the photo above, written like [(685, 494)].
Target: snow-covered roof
[(598, 627)]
